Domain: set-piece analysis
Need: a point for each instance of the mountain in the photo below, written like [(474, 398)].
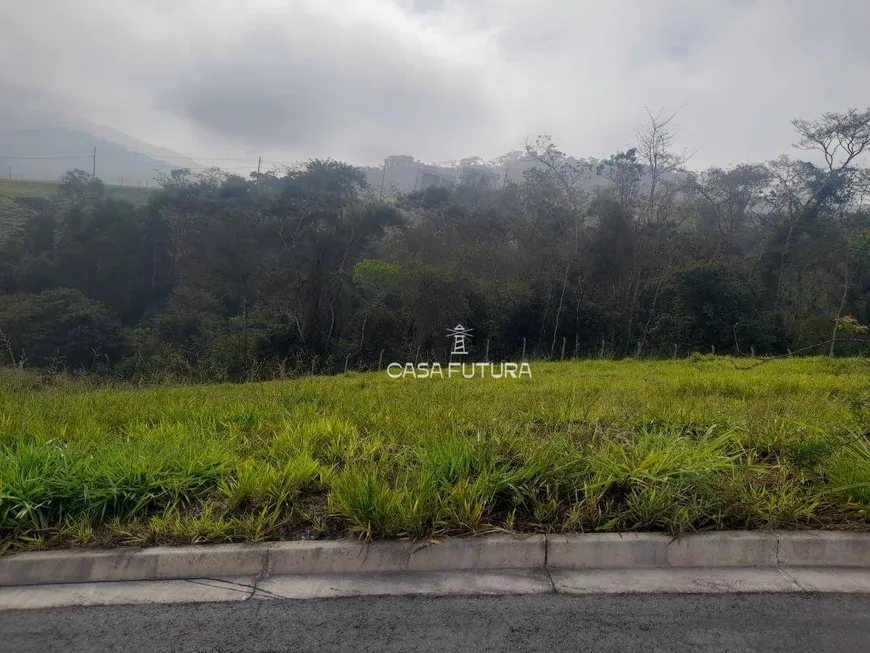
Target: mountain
[(41, 146)]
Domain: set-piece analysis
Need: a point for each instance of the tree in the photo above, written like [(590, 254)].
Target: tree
[(625, 173), (78, 185), (569, 178), (323, 225), (59, 328), (841, 138), (219, 277), (705, 303), (655, 141), (728, 201), (398, 160)]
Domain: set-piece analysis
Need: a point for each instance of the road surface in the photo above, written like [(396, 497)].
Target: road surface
[(550, 623)]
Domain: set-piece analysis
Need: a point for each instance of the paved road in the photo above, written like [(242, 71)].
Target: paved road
[(551, 623)]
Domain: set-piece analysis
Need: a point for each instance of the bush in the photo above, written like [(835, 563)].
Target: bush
[(59, 327)]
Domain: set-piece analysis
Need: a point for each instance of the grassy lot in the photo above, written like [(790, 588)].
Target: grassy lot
[(11, 214), (13, 188), (666, 446)]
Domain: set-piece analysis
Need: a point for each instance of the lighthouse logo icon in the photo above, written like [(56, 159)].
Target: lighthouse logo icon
[(459, 334)]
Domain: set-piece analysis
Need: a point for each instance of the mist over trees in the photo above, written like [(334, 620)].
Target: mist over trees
[(224, 278)]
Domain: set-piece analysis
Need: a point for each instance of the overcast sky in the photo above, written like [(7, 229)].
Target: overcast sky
[(438, 79)]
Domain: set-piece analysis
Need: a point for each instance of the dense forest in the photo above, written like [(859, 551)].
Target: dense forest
[(220, 278)]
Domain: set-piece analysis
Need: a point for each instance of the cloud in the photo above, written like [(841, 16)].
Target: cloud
[(439, 79), (363, 85)]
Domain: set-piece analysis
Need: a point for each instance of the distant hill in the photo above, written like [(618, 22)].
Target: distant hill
[(42, 147), (45, 154)]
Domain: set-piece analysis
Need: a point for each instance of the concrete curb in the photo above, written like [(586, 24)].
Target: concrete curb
[(501, 552)]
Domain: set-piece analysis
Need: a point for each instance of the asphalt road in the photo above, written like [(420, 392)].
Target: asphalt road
[(551, 623)]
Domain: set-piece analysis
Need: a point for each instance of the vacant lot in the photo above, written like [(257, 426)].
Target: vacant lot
[(676, 445)]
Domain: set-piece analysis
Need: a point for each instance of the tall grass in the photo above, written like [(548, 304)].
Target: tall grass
[(608, 446)]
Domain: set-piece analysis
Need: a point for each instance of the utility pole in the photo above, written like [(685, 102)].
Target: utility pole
[(259, 161), (383, 178), (94, 170), (10, 173)]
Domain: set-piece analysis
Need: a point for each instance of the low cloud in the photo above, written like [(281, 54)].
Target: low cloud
[(358, 88), (439, 79)]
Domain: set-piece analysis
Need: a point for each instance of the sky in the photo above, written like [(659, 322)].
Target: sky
[(358, 80)]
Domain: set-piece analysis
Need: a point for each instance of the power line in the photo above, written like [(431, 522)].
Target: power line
[(190, 158), (157, 162), (156, 158), (158, 165), (193, 157), (44, 158)]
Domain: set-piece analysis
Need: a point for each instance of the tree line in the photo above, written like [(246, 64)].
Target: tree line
[(221, 278)]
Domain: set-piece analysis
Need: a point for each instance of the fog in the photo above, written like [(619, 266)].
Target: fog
[(359, 80)]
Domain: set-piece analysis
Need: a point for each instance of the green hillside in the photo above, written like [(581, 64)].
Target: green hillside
[(12, 214)]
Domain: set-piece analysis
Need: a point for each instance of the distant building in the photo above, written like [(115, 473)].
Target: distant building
[(405, 175), (428, 176), (480, 177)]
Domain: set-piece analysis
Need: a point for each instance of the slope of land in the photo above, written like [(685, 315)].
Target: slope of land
[(43, 145), (12, 213), (704, 443)]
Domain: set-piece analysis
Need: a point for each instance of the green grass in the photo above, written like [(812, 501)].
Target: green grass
[(585, 446), (15, 188), (12, 215)]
